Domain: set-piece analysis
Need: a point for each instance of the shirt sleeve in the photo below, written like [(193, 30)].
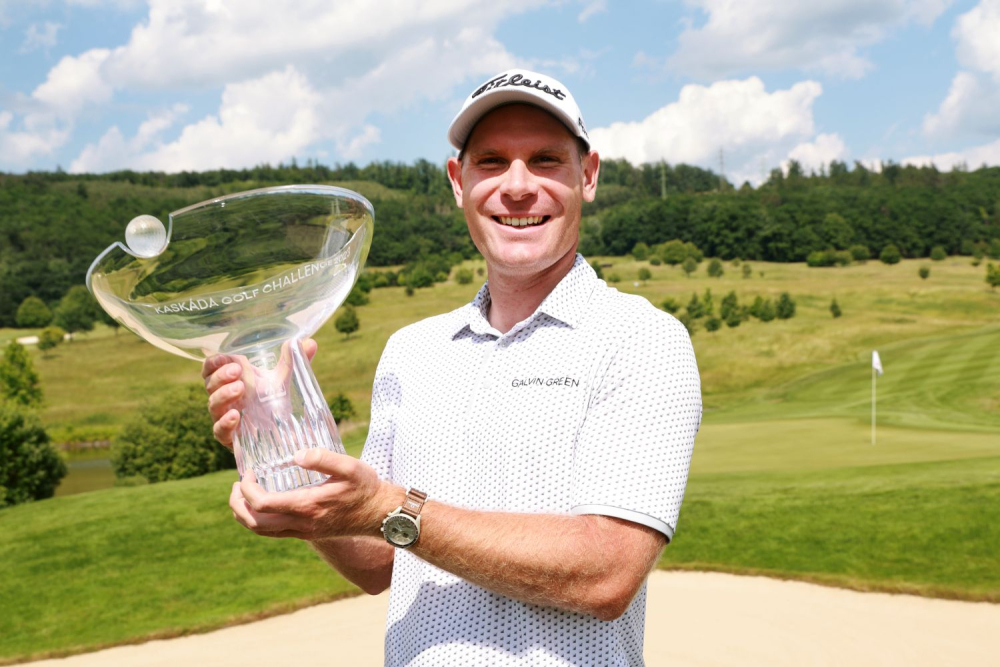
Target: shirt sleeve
[(381, 428), (634, 449)]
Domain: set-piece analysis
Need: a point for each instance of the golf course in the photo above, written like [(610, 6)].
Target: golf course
[(786, 479)]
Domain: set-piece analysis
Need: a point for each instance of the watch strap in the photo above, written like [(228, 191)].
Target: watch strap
[(414, 503)]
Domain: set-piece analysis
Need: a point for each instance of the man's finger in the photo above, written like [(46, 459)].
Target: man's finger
[(309, 346), (326, 462), (262, 523), (286, 502), (226, 374), (220, 401), (226, 426), (214, 363)]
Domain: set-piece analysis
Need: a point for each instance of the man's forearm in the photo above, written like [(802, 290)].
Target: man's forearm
[(364, 561), (589, 564)]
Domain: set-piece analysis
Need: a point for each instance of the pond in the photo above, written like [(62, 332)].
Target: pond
[(85, 475)]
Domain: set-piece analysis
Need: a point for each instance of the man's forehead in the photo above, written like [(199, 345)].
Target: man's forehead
[(513, 121)]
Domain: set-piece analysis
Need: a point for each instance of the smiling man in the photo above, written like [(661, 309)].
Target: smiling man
[(548, 426)]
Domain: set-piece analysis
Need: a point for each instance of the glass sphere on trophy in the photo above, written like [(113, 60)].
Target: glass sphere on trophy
[(250, 275)]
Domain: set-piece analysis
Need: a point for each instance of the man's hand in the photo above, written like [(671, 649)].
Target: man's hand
[(351, 503), (222, 374)]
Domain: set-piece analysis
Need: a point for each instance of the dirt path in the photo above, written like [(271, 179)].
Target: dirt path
[(692, 619)]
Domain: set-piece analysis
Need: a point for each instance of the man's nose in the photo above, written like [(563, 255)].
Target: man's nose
[(518, 181)]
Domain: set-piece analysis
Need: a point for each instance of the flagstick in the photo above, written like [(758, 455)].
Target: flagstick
[(873, 404)]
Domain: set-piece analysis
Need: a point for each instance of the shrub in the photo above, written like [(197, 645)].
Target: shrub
[(786, 307), (715, 269), (924, 272), (645, 274), (695, 308), (655, 261), (747, 271), (463, 276), (614, 278), (994, 250), (49, 338), (713, 324), (992, 275), (938, 253), (819, 258), (674, 252), (380, 280), (357, 297), (77, 310), (728, 306), (170, 439), (734, 319), (347, 322), (419, 277), (409, 290), (762, 309), (18, 379), (890, 255), (689, 323), (859, 253), (33, 313), (30, 469), (690, 266), (341, 407), (670, 305), (597, 269), (835, 309), (640, 251)]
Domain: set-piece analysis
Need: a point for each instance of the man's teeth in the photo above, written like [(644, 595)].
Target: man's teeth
[(520, 222)]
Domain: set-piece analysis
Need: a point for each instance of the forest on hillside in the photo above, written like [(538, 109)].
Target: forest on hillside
[(53, 224)]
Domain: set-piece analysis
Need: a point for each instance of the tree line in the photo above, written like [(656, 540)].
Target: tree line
[(53, 224)]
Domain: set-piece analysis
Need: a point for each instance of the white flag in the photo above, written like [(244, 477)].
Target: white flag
[(876, 362)]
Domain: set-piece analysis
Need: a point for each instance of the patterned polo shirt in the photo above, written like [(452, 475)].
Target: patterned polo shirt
[(589, 406)]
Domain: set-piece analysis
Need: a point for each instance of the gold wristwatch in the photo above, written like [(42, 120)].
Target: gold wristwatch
[(401, 527)]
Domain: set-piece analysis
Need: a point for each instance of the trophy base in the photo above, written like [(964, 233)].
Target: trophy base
[(283, 412)]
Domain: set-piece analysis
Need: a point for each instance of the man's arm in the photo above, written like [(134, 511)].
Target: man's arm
[(589, 564)]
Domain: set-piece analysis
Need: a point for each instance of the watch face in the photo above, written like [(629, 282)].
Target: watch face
[(401, 530)]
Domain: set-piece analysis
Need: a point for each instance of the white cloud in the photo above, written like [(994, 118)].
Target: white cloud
[(819, 152), (776, 34), (113, 151), (749, 124), (351, 148), (970, 108), (44, 37), (592, 7), (75, 82), (978, 35), (988, 154)]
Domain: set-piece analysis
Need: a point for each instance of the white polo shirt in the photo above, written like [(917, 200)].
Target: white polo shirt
[(589, 406)]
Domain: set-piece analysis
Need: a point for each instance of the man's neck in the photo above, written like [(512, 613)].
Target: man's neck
[(514, 296)]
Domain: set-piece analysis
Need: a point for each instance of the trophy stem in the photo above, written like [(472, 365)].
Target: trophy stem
[(283, 411)]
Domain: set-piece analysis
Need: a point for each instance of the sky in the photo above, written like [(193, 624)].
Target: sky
[(741, 87)]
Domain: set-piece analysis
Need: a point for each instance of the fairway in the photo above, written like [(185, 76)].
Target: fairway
[(784, 480)]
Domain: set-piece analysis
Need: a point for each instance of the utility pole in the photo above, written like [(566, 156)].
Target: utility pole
[(663, 179)]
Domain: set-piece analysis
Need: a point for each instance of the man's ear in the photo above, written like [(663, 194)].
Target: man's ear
[(591, 167), (455, 176)]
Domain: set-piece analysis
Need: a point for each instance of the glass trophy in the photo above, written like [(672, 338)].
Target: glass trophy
[(249, 275)]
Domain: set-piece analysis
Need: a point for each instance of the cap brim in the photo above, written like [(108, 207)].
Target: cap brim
[(463, 124)]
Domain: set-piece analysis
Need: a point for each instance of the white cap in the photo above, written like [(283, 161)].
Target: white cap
[(512, 86)]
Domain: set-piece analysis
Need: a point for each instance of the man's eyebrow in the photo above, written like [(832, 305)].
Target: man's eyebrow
[(493, 152)]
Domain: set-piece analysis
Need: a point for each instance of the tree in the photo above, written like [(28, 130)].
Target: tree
[(357, 297), (347, 322), (715, 269), (170, 439), (597, 269), (695, 307), (33, 313), (30, 469), (938, 253), (765, 313), (713, 324), (18, 380), (689, 266), (674, 252), (729, 306), (463, 276), (993, 275), (835, 309), (747, 271), (890, 255), (860, 253), (645, 274), (614, 278), (49, 338), (670, 305), (786, 307), (76, 311), (341, 407), (924, 272), (640, 251)]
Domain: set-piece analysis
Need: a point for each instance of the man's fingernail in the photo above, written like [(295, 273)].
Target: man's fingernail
[(300, 457)]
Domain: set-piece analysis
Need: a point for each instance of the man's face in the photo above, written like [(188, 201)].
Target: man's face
[(522, 184)]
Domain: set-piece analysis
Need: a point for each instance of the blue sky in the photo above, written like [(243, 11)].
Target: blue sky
[(99, 85)]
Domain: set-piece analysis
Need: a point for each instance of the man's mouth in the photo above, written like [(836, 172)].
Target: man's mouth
[(526, 221)]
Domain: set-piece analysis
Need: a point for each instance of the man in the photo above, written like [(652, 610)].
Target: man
[(548, 425)]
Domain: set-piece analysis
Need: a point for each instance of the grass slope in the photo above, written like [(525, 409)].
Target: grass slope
[(784, 479)]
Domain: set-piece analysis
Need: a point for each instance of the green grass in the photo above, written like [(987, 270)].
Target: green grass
[(784, 481)]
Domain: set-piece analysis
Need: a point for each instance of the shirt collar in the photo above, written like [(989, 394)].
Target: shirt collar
[(566, 302)]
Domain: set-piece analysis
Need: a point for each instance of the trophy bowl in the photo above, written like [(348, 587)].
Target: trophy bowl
[(250, 275)]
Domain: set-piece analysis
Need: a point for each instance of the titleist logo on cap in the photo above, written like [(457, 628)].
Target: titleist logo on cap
[(518, 80)]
